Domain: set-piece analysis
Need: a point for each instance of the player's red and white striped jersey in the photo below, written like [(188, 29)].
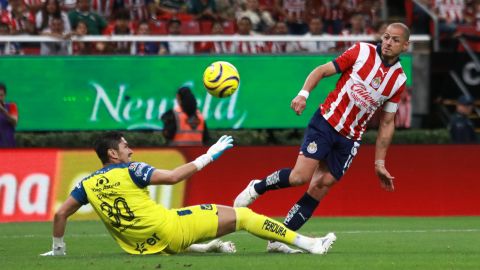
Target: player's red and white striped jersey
[(365, 85)]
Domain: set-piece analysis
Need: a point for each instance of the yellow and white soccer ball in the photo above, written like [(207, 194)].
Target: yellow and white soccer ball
[(221, 79)]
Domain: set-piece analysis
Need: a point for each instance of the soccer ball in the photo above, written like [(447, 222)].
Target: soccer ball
[(221, 79)]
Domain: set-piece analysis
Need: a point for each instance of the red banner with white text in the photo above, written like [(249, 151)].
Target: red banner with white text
[(430, 180), (27, 184)]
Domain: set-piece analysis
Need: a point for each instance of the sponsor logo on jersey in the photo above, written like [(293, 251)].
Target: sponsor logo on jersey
[(362, 98), (102, 180), (274, 227), (206, 207), (151, 241), (138, 171), (133, 166), (105, 186), (312, 148)]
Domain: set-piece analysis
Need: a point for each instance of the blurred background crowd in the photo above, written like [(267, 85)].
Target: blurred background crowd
[(65, 18)]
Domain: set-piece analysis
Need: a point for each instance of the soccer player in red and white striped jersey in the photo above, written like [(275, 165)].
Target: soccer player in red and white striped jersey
[(372, 78)]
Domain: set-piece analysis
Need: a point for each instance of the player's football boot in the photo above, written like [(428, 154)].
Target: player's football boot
[(247, 196), (278, 247), (323, 244)]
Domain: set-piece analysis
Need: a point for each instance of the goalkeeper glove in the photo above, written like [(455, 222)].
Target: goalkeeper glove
[(214, 152), (59, 248)]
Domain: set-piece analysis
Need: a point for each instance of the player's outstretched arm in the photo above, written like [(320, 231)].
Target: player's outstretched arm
[(384, 137), (68, 208), (299, 103), (170, 177)]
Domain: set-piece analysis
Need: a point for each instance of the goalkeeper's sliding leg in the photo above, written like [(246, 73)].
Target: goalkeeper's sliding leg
[(242, 218)]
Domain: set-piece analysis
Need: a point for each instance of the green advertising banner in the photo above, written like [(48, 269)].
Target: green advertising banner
[(127, 92)]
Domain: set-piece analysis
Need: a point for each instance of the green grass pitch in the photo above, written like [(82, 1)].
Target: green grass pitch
[(363, 243)]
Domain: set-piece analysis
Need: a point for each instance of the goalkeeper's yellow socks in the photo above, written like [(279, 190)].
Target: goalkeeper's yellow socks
[(270, 229)]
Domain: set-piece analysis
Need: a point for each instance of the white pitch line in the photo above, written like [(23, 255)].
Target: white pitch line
[(46, 235)]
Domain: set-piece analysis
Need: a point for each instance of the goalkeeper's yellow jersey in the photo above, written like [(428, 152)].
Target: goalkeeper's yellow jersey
[(120, 197)]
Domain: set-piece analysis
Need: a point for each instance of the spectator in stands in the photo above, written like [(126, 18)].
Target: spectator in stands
[(293, 11), (138, 9), (80, 47), (121, 26), (34, 6), (378, 30), (95, 23), (332, 14), (56, 30), (169, 9), (461, 127), (8, 119), (450, 15), (8, 48), (217, 47), (261, 20), (69, 5), (203, 9), (50, 9), (184, 125), (245, 29), (281, 28), (357, 27), (226, 9), (176, 47), (144, 48), (19, 18), (316, 29)]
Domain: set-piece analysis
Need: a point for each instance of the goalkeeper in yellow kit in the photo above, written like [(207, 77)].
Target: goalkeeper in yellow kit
[(119, 195)]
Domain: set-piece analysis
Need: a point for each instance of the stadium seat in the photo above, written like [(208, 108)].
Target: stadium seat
[(206, 27), (158, 27), (229, 27), (190, 28)]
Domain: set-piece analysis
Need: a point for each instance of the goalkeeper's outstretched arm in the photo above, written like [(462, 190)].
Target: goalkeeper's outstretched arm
[(170, 177)]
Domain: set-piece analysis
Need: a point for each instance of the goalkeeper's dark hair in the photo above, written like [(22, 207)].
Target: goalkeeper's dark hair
[(188, 103), (108, 140)]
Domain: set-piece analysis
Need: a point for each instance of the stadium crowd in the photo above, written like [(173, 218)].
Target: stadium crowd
[(66, 18)]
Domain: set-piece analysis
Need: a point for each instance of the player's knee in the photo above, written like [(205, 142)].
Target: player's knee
[(297, 179), (243, 216)]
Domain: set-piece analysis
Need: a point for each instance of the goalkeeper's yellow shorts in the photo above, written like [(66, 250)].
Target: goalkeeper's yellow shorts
[(193, 224)]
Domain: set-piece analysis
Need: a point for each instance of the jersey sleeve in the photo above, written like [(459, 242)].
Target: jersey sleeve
[(392, 104), (12, 110), (79, 194), (140, 173), (347, 59)]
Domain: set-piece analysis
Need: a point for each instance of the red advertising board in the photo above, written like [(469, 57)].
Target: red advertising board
[(27, 184), (430, 180)]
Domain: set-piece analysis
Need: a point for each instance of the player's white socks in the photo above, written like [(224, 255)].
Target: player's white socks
[(304, 242)]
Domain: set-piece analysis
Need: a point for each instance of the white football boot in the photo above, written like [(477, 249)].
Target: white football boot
[(247, 196), (279, 247), (323, 244)]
